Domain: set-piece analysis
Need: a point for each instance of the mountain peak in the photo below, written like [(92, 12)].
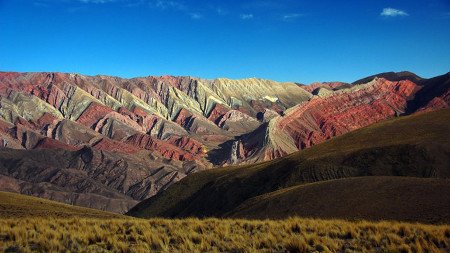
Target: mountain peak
[(392, 76)]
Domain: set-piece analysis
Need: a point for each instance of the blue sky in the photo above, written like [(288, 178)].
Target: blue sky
[(285, 40)]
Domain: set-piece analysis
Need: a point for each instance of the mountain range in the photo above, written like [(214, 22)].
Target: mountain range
[(108, 143), (397, 169)]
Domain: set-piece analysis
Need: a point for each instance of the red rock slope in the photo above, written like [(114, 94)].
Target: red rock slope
[(344, 110)]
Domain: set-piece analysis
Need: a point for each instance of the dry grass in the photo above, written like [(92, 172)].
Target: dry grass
[(216, 235)]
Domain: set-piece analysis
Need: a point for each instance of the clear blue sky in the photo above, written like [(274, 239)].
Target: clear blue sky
[(285, 40)]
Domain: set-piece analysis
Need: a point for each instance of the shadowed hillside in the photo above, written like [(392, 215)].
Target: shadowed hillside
[(14, 205), (413, 146), (86, 177), (377, 198), (392, 76)]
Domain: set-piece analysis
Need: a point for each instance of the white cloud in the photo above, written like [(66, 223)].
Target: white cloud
[(246, 16), (291, 16), (96, 1), (391, 12), (169, 4), (195, 15), (40, 4), (221, 11)]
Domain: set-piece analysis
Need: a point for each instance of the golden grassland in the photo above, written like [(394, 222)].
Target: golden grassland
[(218, 235)]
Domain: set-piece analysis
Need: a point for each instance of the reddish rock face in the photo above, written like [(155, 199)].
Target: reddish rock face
[(436, 104), (328, 85), (46, 119), (5, 126), (48, 143), (183, 117), (187, 144), (434, 94), (217, 112), (165, 149), (93, 113), (109, 145), (345, 110), (321, 119), (22, 122)]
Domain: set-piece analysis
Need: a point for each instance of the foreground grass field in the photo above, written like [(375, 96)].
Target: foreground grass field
[(215, 235)]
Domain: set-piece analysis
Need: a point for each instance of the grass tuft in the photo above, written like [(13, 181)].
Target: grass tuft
[(297, 245)]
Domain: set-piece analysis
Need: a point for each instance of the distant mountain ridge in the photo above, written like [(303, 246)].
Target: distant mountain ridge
[(392, 76), (150, 132)]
